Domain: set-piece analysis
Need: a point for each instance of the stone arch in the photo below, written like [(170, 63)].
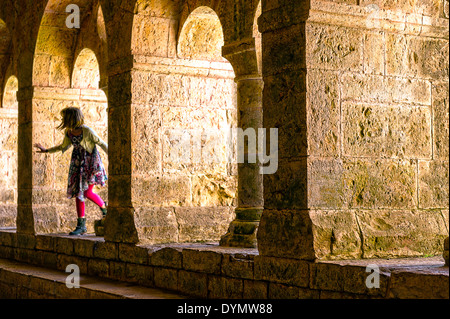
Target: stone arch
[(5, 53), (56, 63), (86, 71), (8, 132), (94, 104), (92, 44), (175, 100), (214, 7), (10, 93), (55, 44), (201, 36)]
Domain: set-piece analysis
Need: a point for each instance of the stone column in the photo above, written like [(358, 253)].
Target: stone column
[(242, 231), (99, 224), (285, 228), (119, 225), (25, 217)]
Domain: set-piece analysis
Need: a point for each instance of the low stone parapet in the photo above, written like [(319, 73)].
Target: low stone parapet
[(207, 270)]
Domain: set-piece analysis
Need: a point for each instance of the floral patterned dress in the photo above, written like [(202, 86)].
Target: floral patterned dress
[(85, 169)]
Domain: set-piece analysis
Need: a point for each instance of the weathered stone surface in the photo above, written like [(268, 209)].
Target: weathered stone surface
[(255, 289), (361, 183), (440, 104), (146, 151), (285, 103), (150, 35), (433, 184), (401, 233), (286, 49), (161, 190), (286, 234), (234, 266), (166, 278), (167, 257), (201, 36), (409, 56), (210, 190), (141, 274), (120, 226), (279, 291), (195, 284), (383, 183), (418, 285), (287, 188), (202, 223), (281, 270), (8, 215), (323, 113), (83, 248), (105, 250), (336, 234), (224, 288), (383, 131), (133, 253), (427, 7), (374, 52), (201, 261), (322, 69), (336, 48), (377, 88), (156, 224)]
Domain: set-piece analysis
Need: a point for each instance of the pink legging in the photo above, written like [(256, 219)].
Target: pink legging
[(89, 194)]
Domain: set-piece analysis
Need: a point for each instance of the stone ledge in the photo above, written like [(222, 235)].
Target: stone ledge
[(207, 270), (19, 281)]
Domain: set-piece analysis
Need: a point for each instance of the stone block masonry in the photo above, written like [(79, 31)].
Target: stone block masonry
[(209, 271), (8, 166), (356, 93)]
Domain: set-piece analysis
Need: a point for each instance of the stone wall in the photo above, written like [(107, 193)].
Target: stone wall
[(361, 93), (357, 89), (67, 72), (184, 102), (211, 272), (52, 210), (381, 135), (8, 167)]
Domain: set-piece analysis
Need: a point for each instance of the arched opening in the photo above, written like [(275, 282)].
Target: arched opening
[(201, 36), (8, 133), (8, 154), (93, 103), (5, 48), (184, 187), (10, 93), (86, 72), (210, 112), (65, 74)]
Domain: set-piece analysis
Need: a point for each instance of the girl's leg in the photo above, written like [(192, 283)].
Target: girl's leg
[(80, 208), (94, 197)]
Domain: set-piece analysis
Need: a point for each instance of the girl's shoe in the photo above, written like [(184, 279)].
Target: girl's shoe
[(81, 227), (103, 211)]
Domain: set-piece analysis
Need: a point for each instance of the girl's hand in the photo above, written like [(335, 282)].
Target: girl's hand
[(42, 149)]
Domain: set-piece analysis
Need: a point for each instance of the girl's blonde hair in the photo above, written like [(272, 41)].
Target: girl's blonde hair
[(72, 118)]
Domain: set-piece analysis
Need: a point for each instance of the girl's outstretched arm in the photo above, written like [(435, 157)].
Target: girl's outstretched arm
[(41, 148), (60, 148)]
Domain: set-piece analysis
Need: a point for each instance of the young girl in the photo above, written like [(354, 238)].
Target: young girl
[(86, 167)]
